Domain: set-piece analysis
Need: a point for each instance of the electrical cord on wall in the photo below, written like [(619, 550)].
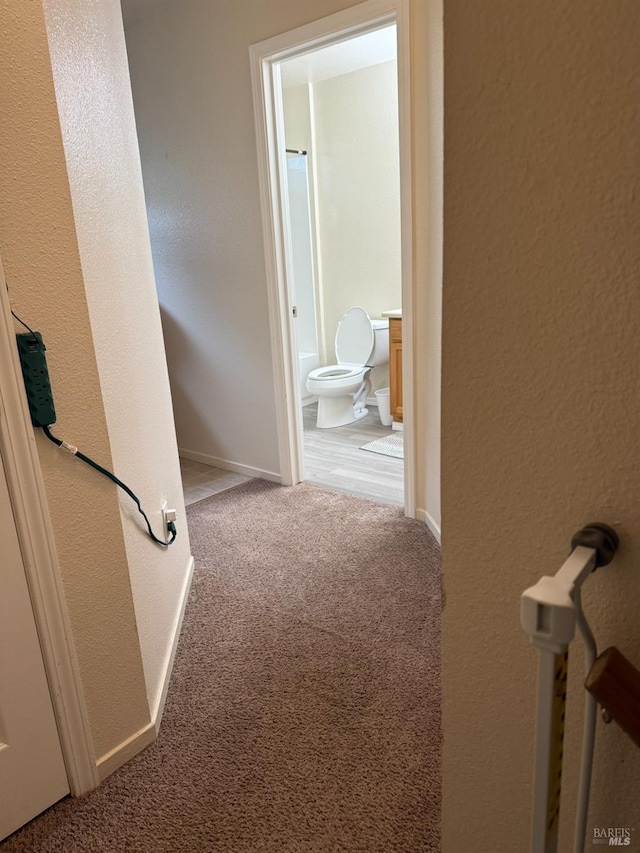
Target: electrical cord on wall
[(22, 323), (171, 527), (74, 450)]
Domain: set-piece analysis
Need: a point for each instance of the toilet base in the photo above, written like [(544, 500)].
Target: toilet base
[(338, 411)]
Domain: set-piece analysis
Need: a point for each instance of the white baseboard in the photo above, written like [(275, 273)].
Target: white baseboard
[(227, 465), (119, 755), (157, 712), (428, 519), (397, 425), (372, 401), (115, 758)]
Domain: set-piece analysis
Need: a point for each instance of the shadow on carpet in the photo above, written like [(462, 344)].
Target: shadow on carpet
[(304, 709)]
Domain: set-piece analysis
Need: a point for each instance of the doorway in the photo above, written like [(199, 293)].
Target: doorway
[(340, 111), (271, 61)]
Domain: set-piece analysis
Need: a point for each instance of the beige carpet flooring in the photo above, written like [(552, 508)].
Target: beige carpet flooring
[(304, 710)]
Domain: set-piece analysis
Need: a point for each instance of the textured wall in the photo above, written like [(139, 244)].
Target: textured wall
[(541, 366), (42, 265), (192, 93), (357, 159), (96, 113)]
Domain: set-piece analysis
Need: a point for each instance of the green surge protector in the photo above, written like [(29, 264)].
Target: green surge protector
[(36, 378)]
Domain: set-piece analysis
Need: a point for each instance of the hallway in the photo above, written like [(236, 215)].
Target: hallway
[(304, 709)]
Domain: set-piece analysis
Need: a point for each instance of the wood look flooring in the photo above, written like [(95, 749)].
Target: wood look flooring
[(202, 481), (333, 459)]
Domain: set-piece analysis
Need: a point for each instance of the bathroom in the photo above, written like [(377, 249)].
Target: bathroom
[(340, 110)]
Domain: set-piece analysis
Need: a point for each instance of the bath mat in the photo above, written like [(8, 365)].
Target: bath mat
[(390, 445)]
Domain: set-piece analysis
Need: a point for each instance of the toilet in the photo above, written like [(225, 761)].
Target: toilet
[(342, 389)]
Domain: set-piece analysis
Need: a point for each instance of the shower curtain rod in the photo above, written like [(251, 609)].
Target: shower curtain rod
[(295, 151)]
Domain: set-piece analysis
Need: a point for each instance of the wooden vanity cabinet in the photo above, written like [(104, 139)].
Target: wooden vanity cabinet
[(395, 367)]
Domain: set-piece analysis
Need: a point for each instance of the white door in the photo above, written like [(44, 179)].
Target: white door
[(32, 772)]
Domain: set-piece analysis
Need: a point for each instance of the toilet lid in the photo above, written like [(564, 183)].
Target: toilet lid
[(354, 337)]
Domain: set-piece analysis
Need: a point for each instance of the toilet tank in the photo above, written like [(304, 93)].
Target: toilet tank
[(380, 352)]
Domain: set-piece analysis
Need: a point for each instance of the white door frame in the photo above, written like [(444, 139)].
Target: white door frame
[(28, 498), (267, 101)]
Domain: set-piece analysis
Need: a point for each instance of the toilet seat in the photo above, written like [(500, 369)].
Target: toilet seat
[(332, 372)]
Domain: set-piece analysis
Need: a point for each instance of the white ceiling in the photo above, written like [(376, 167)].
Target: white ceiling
[(337, 59)]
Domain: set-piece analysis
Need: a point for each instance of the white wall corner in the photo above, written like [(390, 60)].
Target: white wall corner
[(135, 743), (158, 710), (432, 524)]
